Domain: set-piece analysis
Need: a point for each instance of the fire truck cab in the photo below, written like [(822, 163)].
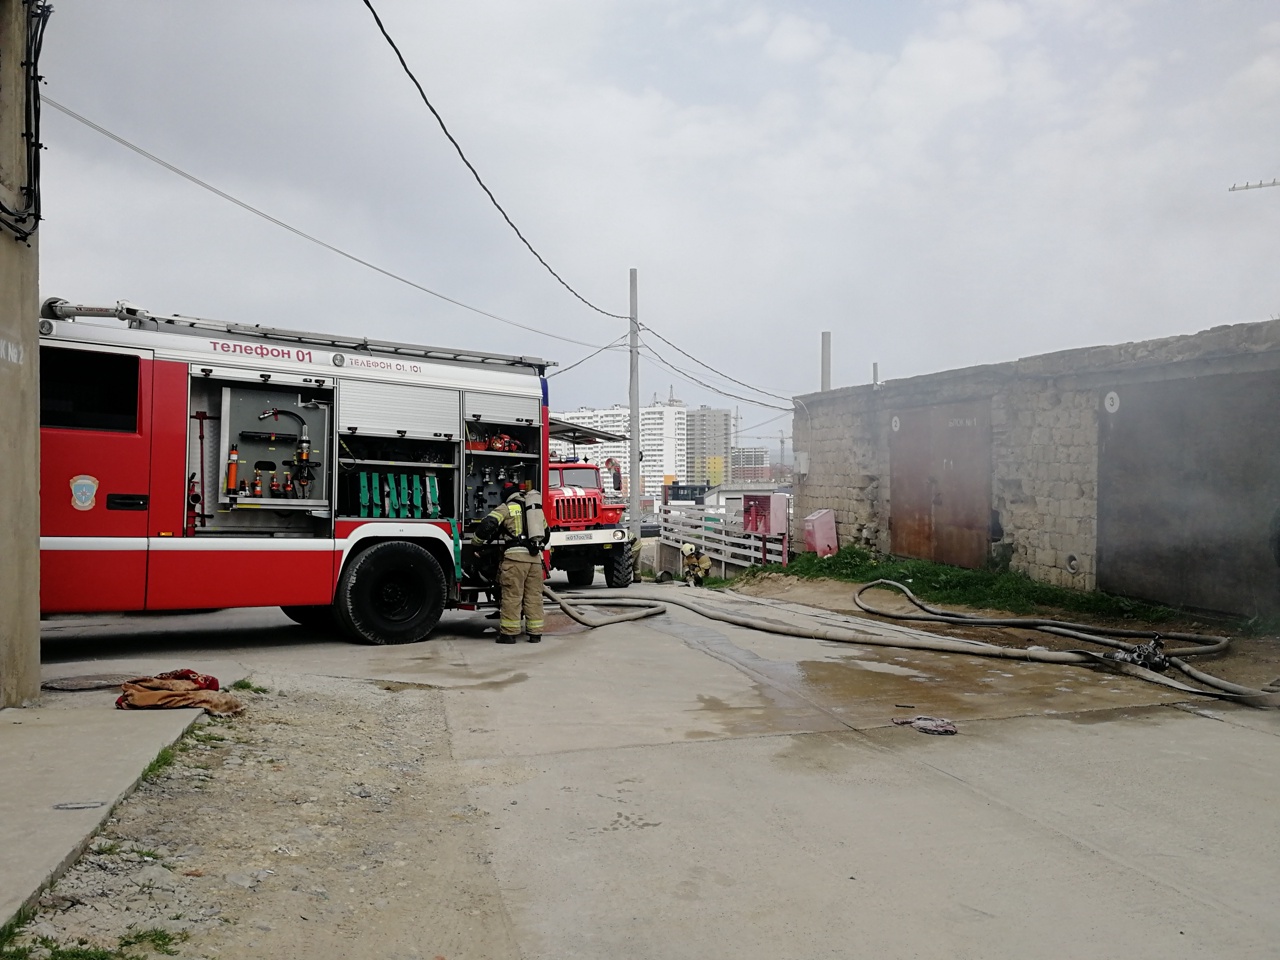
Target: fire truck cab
[(584, 518), (188, 464)]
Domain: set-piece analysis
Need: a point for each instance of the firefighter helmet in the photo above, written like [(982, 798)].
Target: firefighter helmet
[(688, 549)]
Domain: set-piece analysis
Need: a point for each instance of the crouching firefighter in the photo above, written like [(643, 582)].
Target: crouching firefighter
[(521, 527)]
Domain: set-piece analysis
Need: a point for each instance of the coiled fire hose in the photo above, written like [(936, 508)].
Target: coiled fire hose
[(1102, 636), (570, 605)]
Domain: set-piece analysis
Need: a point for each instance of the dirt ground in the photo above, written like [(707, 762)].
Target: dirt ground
[(331, 812), (1251, 661), (283, 831)]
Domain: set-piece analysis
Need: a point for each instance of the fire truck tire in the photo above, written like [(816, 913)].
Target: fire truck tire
[(581, 578), (617, 567), (394, 592), (313, 618)]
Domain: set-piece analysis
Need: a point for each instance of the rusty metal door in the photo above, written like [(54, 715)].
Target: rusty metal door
[(1189, 492), (940, 483)]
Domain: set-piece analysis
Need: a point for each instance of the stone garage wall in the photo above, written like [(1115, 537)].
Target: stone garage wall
[(1044, 440)]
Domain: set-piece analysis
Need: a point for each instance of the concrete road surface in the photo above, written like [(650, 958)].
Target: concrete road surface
[(681, 788)]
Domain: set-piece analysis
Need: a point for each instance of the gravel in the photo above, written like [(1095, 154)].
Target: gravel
[(327, 820)]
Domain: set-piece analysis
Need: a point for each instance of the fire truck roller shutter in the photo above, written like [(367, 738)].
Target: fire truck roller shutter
[(392, 592), (502, 408), (386, 409)]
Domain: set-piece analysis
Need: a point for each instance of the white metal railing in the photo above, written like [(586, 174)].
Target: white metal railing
[(718, 533)]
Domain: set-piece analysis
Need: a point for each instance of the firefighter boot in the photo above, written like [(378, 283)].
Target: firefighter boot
[(535, 638)]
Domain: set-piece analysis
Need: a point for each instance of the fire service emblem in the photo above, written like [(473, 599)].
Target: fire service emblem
[(83, 489)]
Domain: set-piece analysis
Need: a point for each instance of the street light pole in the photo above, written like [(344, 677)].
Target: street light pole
[(635, 484)]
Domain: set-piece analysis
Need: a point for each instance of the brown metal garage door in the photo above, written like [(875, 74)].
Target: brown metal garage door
[(940, 483), (1189, 492)]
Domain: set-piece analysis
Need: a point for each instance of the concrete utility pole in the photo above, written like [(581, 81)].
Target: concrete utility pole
[(636, 483), (826, 360), (19, 362)]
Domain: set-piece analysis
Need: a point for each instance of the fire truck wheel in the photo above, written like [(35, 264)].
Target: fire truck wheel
[(313, 618), (391, 593), (617, 567), (581, 578)]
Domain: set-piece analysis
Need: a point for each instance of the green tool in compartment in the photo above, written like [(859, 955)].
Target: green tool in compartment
[(406, 496), (393, 498), (417, 497), (364, 494), (433, 496)]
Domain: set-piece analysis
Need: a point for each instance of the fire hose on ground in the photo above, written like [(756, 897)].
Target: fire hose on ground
[(1140, 660)]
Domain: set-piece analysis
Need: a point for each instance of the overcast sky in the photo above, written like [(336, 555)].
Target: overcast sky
[(939, 182)]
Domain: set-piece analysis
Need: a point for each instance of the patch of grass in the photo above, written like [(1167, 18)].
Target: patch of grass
[(247, 684), (163, 760), (10, 931), (161, 941), (107, 849), (81, 951), (56, 951), (993, 589)]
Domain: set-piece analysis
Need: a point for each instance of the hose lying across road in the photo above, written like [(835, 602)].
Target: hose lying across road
[(1134, 655)]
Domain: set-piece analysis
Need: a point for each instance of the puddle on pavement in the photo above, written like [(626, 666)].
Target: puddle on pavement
[(968, 687), (819, 753), (774, 711), (1090, 717), (871, 687)]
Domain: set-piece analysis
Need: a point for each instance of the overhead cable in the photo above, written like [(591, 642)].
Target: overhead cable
[(295, 231), (655, 356), (765, 422), (23, 218), (776, 396), (608, 346), (489, 193)]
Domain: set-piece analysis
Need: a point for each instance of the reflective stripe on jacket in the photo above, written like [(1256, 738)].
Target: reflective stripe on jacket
[(510, 517)]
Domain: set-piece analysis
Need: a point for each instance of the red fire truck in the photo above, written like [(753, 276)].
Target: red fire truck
[(188, 464), (585, 528)]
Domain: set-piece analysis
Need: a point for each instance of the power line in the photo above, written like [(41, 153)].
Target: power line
[(489, 193), (691, 378), (702, 383), (294, 230), (608, 346), (766, 422), (719, 373)]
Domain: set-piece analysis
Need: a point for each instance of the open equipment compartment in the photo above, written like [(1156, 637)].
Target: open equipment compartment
[(398, 447), (503, 446), (263, 464)]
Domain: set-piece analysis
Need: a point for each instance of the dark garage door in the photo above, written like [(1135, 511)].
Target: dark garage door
[(1188, 492), (940, 483)]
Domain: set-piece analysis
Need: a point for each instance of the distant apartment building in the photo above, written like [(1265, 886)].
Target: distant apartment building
[(710, 441), (749, 463), (663, 442)]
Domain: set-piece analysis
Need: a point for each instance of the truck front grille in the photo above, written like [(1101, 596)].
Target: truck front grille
[(572, 509)]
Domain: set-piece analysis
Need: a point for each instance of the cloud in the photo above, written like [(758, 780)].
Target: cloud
[(796, 40), (939, 183)]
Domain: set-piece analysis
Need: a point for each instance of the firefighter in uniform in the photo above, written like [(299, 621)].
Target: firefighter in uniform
[(697, 565), (519, 522)]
